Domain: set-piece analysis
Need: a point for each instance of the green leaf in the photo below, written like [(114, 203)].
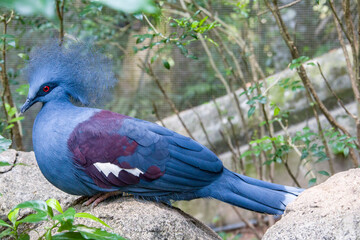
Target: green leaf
[(3, 223), (34, 218), (6, 35), (13, 215), (24, 56), (48, 235), (3, 164), (304, 154), (9, 126), (91, 8), (50, 212), (153, 59), (16, 119), (262, 100), (276, 111), (251, 111), (66, 219), (66, 225), (183, 49), (246, 153), (36, 205), (139, 40), (192, 57), (295, 63), (202, 21), (68, 236), (312, 182), (212, 41), (166, 64), (196, 13), (96, 233), (6, 232), (194, 24), (35, 7), (11, 43), (24, 236), (135, 49), (325, 173), (4, 143), (346, 151), (268, 162), (92, 217), (172, 24), (67, 215), (53, 203), (10, 110), (131, 6)]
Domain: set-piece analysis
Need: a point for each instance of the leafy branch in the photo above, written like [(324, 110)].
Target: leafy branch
[(61, 225)]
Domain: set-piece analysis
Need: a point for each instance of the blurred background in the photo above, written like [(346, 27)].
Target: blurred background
[(272, 87)]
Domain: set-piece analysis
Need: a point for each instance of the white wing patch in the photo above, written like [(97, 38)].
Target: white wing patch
[(108, 168)]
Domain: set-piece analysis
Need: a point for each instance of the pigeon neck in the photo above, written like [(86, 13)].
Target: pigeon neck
[(59, 102)]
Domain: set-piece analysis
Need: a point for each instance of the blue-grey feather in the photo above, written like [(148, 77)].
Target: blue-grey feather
[(85, 73)]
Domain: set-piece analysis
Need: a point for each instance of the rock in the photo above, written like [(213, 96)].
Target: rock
[(330, 210), (25, 182), (129, 217)]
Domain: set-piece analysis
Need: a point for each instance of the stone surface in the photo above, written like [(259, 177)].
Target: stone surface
[(131, 218), (26, 182), (330, 210)]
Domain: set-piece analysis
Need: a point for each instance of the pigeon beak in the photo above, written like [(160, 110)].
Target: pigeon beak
[(28, 103)]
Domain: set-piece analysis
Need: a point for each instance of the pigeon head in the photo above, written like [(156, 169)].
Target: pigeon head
[(71, 71)]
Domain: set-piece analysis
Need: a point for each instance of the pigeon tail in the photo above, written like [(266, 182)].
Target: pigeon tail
[(251, 194)]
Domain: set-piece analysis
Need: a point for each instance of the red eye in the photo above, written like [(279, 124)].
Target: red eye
[(46, 88)]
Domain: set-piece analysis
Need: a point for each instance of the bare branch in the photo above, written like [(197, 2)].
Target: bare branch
[(60, 4), (150, 72), (281, 7), (204, 130), (335, 95), (157, 115), (6, 95)]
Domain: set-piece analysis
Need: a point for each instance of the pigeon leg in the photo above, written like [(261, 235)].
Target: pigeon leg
[(98, 198)]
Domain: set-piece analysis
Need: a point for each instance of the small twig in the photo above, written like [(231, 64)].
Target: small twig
[(204, 130), (149, 71), (213, 65), (152, 26), (272, 85), (281, 7), (157, 115), (227, 140), (236, 141), (156, 31), (293, 146), (249, 224), (60, 14), (237, 153), (335, 95), (116, 44)]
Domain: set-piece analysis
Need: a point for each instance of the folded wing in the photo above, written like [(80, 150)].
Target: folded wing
[(119, 152)]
